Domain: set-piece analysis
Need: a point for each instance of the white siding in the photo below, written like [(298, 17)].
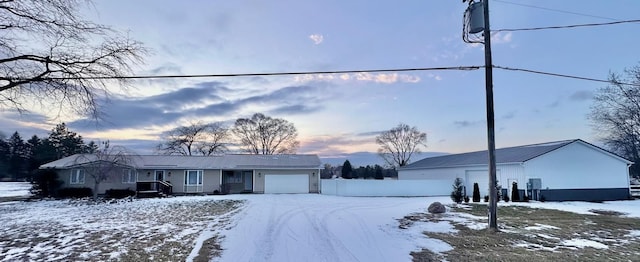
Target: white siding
[(505, 174), (361, 187), (577, 166)]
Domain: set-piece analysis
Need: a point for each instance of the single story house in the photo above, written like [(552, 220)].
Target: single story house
[(555, 171), (241, 173)]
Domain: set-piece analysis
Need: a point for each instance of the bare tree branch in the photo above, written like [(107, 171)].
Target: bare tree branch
[(264, 135), (400, 143), (46, 50), (615, 115), (196, 139), (106, 164)]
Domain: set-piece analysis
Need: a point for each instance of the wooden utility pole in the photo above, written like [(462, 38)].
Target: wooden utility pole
[(493, 195)]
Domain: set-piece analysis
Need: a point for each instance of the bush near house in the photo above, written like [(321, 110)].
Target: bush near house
[(45, 183), (75, 192), (119, 193), (476, 192), (515, 194), (457, 193)]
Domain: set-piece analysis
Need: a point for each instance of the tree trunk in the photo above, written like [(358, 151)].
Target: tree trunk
[(95, 191)]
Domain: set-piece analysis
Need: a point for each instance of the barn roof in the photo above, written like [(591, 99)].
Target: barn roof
[(518, 154), (238, 161)]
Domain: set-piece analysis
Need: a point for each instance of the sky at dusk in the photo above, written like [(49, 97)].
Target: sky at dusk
[(342, 113)]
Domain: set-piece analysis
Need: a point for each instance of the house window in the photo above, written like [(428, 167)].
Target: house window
[(77, 176), (233, 177), (128, 176), (193, 177)]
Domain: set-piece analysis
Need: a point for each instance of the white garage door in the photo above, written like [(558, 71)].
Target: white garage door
[(482, 178), (286, 184)]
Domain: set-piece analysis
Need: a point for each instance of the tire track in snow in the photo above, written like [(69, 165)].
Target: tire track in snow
[(327, 239), (272, 233)]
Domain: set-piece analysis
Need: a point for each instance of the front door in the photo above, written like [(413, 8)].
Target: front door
[(248, 181), (159, 176)]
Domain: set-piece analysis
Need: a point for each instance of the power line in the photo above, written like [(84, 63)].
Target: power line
[(567, 26), (556, 10), (265, 74), (565, 76)]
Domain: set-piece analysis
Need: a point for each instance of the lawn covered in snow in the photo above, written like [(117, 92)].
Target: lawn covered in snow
[(80, 230), (258, 227), (14, 189)]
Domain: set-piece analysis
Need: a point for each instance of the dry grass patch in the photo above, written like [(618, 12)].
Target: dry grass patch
[(529, 234)]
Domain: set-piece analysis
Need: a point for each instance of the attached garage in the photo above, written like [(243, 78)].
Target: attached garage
[(286, 184)]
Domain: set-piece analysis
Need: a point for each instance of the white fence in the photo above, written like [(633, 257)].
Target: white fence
[(398, 188)]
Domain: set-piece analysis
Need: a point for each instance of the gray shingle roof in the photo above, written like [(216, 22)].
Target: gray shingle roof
[(516, 154), (203, 162)]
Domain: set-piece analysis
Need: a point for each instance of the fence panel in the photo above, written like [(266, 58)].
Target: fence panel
[(396, 188)]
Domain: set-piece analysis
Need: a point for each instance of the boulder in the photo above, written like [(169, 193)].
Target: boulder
[(436, 208)]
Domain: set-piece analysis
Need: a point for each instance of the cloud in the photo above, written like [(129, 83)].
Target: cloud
[(168, 68), (316, 38), (582, 95), (295, 109), (509, 115), (335, 144), (467, 123), (202, 100), (501, 38), (372, 133), (382, 78), (554, 104)]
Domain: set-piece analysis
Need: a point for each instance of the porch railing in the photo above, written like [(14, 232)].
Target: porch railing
[(154, 187)]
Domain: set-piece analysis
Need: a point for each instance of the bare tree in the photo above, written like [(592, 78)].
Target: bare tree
[(196, 139), (49, 53), (264, 135), (400, 143), (615, 115), (105, 164)]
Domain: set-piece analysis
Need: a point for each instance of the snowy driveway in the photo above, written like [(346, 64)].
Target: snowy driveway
[(309, 227)]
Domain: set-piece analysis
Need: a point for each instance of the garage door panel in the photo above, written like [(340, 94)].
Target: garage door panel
[(480, 177), (286, 184)]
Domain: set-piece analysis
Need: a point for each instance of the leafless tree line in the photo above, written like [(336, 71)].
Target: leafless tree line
[(259, 134)]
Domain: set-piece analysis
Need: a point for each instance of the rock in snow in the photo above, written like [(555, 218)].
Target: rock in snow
[(437, 208)]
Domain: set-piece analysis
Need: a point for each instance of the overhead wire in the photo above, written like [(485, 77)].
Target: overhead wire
[(462, 68), (565, 76), (556, 10), (566, 26)]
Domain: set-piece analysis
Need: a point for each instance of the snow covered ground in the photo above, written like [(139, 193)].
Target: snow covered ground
[(14, 189), (311, 227), (304, 227), (79, 230), (630, 208)]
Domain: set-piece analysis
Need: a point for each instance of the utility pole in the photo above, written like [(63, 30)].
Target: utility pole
[(472, 27), (491, 135)]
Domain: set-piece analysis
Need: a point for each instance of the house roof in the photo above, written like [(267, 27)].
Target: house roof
[(200, 162), (518, 154)]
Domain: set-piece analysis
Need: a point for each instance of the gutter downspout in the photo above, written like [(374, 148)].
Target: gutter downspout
[(629, 179)]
